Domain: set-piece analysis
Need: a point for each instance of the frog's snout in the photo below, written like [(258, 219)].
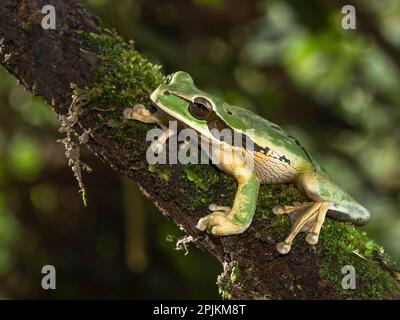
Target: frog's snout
[(154, 97)]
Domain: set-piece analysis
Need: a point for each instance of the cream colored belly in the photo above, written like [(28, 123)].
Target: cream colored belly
[(269, 169)]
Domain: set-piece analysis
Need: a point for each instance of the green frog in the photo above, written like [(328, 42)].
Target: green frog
[(277, 157)]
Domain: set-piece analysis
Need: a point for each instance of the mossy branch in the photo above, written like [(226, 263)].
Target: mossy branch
[(105, 74)]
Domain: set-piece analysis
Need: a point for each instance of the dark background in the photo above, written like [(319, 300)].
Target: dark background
[(336, 90)]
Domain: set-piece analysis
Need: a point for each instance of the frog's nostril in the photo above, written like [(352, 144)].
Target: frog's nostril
[(166, 93)]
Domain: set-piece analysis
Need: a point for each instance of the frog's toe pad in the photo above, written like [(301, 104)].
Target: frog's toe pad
[(278, 210), (283, 247), (141, 110), (138, 112), (127, 113), (219, 224), (215, 207), (201, 225), (312, 238)]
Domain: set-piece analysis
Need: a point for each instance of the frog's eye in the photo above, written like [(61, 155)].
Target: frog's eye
[(200, 108), (169, 79)]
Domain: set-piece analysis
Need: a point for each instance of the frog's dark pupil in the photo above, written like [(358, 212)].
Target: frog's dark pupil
[(199, 111), (201, 107)]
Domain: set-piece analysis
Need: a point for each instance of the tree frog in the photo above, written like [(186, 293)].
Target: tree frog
[(278, 158)]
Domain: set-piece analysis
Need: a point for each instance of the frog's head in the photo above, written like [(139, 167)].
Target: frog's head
[(183, 101)]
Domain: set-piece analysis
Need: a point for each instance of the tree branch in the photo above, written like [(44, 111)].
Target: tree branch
[(109, 75)]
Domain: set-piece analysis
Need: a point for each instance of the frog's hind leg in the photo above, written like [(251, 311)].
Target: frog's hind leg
[(313, 234), (309, 218), (290, 209)]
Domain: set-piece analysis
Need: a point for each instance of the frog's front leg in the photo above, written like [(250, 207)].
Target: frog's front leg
[(158, 145), (215, 207), (140, 113), (238, 219)]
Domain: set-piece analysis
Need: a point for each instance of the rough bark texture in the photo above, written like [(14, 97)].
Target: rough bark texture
[(47, 62)]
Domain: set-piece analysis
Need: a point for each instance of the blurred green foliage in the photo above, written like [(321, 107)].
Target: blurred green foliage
[(290, 61)]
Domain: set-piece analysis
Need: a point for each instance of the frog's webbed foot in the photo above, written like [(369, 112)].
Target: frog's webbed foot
[(307, 217), (219, 223)]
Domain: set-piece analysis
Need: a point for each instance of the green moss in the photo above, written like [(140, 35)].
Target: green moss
[(200, 176), (161, 171), (224, 289), (196, 202), (273, 195), (281, 225), (124, 77), (342, 244), (235, 274), (235, 279), (203, 180), (228, 280)]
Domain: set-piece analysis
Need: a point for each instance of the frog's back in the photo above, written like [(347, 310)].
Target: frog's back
[(267, 135)]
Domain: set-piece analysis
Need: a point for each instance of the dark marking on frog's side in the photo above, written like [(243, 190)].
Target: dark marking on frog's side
[(284, 159), (215, 122), (255, 146), (262, 150)]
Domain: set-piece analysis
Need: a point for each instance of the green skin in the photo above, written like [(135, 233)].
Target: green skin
[(282, 159)]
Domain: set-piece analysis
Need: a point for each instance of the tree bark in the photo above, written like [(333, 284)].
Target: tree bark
[(47, 62)]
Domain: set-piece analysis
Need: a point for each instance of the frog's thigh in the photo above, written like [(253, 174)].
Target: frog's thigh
[(221, 223)]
